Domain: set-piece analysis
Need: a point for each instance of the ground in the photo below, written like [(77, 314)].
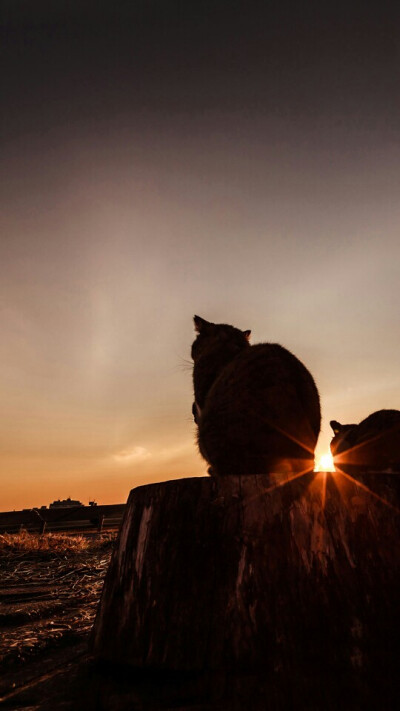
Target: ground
[(48, 600)]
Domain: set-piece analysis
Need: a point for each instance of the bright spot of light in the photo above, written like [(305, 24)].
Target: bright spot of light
[(325, 463)]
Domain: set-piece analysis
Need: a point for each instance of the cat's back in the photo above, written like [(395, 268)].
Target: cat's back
[(266, 375), (382, 421), (264, 365), (379, 436)]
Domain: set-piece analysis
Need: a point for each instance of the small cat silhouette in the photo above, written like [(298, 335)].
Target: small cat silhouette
[(256, 406), (371, 445)]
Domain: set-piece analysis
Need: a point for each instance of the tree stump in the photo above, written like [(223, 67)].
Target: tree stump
[(298, 580)]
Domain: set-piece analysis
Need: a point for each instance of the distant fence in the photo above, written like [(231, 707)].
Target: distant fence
[(79, 518)]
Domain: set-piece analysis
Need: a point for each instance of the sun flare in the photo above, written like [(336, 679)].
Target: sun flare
[(325, 463)]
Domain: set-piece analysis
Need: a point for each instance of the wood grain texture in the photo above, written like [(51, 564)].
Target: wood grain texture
[(297, 581)]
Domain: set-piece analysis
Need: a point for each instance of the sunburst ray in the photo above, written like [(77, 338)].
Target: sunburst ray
[(279, 484), (368, 490)]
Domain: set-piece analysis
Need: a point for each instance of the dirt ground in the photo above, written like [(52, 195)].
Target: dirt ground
[(48, 601)]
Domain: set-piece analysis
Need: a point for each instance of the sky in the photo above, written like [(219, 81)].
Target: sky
[(240, 161)]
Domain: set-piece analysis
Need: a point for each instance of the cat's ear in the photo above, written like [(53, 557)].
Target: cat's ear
[(247, 334), (336, 426), (200, 324)]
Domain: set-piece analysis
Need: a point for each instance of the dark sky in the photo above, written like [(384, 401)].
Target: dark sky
[(160, 159), (70, 61)]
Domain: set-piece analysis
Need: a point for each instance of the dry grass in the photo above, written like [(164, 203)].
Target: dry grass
[(25, 542), (51, 584)]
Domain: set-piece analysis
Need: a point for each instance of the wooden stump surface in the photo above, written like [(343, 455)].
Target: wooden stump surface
[(298, 581)]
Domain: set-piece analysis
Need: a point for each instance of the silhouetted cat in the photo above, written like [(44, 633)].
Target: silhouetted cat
[(256, 407), (374, 444)]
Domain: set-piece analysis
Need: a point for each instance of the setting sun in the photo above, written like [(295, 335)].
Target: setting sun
[(325, 463)]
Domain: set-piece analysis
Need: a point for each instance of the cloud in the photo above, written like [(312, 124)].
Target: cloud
[(163, 455), (133, 454)]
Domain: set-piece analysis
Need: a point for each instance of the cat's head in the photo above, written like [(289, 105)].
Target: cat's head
[(342, 436), (216, 336)]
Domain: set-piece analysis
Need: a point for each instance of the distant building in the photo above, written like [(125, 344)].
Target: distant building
[(65, 503)]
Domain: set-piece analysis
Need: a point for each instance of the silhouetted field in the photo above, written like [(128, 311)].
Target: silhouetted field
[(70, 519)]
